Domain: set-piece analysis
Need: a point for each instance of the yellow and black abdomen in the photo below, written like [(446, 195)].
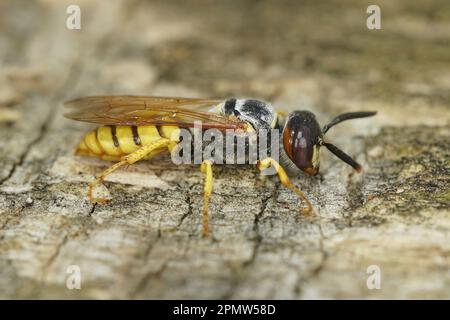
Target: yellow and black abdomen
[(113, 142)]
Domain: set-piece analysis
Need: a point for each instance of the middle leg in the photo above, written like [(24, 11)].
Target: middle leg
[(206, 167)]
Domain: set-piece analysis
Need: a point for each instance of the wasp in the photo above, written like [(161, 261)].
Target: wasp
[(133, 128)]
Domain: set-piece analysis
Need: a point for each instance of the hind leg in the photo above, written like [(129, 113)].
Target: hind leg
[(126, 160)]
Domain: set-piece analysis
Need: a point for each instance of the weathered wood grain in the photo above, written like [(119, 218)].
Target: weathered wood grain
[(146, 243)]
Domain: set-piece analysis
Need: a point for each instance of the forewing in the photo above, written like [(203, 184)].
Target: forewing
[(140, 110)]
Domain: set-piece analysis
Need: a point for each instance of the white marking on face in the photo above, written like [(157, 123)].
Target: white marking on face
[(315, 157)]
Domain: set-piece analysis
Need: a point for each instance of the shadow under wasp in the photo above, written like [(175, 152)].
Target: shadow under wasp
[(133, 128)]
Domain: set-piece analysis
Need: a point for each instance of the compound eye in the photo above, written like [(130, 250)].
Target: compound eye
[(299, 145)]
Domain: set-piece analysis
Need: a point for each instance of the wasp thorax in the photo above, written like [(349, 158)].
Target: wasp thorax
[(259, 114), (301, 136)]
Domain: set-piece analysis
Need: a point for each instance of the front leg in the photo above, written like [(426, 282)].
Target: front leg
[(268, 162)]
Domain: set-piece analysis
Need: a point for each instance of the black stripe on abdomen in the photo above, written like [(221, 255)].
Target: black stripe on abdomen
[(114, 136), (136, 138)]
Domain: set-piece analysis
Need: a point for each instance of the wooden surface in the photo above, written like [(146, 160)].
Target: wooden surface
[(146, 243)]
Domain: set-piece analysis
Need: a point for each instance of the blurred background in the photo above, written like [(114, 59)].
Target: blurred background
[(298, 55)]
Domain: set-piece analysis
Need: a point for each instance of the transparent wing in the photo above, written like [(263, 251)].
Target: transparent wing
[(141, 110)]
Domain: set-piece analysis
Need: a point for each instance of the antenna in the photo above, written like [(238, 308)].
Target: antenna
[(343, 156), (348, 116)]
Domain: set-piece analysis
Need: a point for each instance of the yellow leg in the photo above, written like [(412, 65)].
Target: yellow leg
[(267, 162), (127, 160), (206, 167)]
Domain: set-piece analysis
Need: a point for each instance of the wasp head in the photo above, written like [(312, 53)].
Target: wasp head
[(302, 138)]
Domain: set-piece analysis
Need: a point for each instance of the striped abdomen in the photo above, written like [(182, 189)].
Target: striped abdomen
[(114, 142)]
